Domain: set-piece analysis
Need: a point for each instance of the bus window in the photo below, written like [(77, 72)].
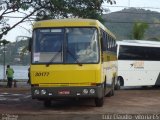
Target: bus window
[(138, 53), (109, 42), (82, 45), (47, 45), (104, 41), (50, 43)]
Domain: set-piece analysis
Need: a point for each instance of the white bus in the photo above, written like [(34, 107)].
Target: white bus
[(138, 63)]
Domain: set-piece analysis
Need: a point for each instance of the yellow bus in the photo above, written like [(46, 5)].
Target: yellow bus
[(72, 58)]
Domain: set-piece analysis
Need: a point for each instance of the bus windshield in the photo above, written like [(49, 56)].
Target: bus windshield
[(65, 45)]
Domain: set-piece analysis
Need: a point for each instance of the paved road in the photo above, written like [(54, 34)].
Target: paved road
[(17, 102)]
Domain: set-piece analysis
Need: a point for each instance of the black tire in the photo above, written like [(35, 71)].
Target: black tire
[(47, 103), (99, 102), (111, 92), (118, 84), (156, 86)]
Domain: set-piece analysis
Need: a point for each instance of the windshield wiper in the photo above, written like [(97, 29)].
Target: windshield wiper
[(53, 58), (80, 64)]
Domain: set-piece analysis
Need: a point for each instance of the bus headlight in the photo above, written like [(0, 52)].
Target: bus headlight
[(43, 92), (92, 91), (85, 91), (36, 92)]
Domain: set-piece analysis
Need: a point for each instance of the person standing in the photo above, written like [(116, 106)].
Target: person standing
[(9, 73), (29, 78)]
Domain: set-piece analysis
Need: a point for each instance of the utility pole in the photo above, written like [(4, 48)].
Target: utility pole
[(4, 61), (4, 42), (128, 3)]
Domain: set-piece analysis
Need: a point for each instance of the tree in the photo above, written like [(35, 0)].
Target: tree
[(139, 29), (4, 42), (48, 9), (73, 8), (12, 6)]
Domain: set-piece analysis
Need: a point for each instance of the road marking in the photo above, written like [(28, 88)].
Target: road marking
[(3, 98), (28, 96), (13, 97)]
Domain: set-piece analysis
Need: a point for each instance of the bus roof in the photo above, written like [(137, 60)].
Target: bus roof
[(74, 22), (146, 43)]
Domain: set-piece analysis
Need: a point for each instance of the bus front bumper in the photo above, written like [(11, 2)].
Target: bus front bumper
[(67, 92)]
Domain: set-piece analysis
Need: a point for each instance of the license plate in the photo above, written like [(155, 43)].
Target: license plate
[(64, 92)]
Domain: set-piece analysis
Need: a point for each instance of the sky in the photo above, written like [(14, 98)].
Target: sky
[(25, 29), (145, 4)]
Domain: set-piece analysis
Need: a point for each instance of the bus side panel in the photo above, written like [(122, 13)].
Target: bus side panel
[(139, 73), (109, 67)]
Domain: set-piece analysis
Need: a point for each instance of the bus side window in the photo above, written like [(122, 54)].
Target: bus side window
[(103, 41), (115, 46), (112, 44), (108, 42)]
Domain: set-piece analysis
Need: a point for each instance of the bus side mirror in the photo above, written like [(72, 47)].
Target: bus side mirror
[(29, 44)]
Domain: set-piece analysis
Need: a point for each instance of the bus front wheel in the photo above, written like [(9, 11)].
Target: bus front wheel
[(99, 102)]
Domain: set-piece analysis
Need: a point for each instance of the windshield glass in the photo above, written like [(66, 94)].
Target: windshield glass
[(65, 45), (82, 44), (47, 44)]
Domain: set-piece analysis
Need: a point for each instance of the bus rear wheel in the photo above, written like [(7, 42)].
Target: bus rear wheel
[(111, 92), (99, 102), (118, 84), (47, 103)]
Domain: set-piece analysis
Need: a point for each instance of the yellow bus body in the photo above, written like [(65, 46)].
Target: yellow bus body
[(74, 77), (71, 23), (66, 75)]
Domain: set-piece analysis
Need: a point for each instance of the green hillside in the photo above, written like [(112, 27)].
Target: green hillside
[(14, 55), (121, 23)]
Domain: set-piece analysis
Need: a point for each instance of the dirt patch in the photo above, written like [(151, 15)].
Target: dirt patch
[(126, 101)]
